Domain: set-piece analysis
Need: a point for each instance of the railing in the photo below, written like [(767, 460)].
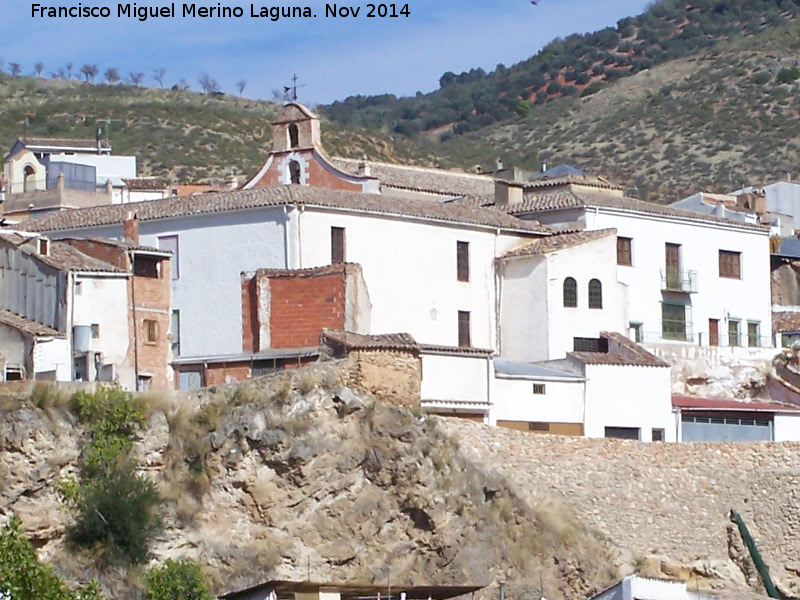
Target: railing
[(678, 280), (37, 185)]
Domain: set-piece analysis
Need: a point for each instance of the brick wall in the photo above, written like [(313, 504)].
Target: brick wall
[(153, 302), (317, 175), (301, 307)]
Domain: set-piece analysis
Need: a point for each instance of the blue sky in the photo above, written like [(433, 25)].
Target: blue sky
[(334, 58)]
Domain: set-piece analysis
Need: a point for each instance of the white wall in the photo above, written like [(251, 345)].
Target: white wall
[(513, 400), (455, 378), (410, 272), (627, 396), (524, 309), (787, 427), (745, 299), (53, 355), (107, 166)]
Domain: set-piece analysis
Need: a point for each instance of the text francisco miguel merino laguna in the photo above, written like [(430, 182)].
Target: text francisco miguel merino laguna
[(142, 13)]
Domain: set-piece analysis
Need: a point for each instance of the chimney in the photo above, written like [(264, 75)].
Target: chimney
[(231, 183), (131, 228), (363, 167), (719, 209), (498, 165), (99, 140), (761, 202), (507, 193), (544, 167)]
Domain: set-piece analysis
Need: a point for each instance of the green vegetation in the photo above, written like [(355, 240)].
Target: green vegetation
[(177, 580), (23, 577), (116, 508)]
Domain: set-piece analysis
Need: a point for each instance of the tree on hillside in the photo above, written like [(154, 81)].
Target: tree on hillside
[(14, 69), (89, 72), (111, 75), (182, 85), (38, 68), (158, 75), (59, 73), (177, 580), (135, 78), (240, 85), (69, 66), (208, 84)]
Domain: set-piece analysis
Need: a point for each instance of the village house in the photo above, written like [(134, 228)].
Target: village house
[(308, 590), (84, 310)]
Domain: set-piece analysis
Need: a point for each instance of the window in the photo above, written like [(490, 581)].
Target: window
[(733, 332), (337, 245), (538, 388), (294, 172), (753, 334), (570, 293), (730, 264), (623, 433), (143, 383), (146, 266), (658, 435), (637, 329), (44, 246), (95, 331), (673, 321), (538, 426), (150, 328), (169, 243), (462, 261), (175, 330), (713, 332), (294, 136), (595, 294), (463, 329), (672, 260), (590, 344), (624, 251)]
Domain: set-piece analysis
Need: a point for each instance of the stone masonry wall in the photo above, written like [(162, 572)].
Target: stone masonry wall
[(392, 377), (662, 500)]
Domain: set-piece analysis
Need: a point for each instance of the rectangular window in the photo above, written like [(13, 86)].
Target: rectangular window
[(673, 321), (143, 383), (462, 261), (637, 329), (463, 329), (169, 243), (658, 435), (538, 426), (672, 260), (730, 264), (337, 246), (175, 330), (713, 332), (623, 433), (734, 332), (95, 331), (150, 331), (753, 334), (146, 266), (624, 251), (590, 344), (538, 388)]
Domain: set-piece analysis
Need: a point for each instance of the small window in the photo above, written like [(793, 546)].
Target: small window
[(730, 264), (337, 245), (462, 261), (175, 330), (570, 293), (538, 426), (150, 331), (753, 334), (294, 172), (463, 329), (595, 294), (294, 136), (658, 435), (734, 330), (95, 331), (538, 388), (638, 331), (169, 243), (623, 433), (590, 345), (624, 251), (144, 383), (146, 266), (44, 246)]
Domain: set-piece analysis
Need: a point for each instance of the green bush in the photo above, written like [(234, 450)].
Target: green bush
[(788, 75), (177, 580), (23, 577)]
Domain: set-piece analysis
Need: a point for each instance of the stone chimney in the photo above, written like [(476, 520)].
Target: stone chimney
[(507, 193), (363, 167), (131, 228), (760, 202), (498, 165)]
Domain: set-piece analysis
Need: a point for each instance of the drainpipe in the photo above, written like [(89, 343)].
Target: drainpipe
[(135, 329), (70, 332)]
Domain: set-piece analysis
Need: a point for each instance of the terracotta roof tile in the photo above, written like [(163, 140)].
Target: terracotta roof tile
[(61, 255), (557, 242), (146, 183), (308, 272), (622, 351), (456, 350), (573, 178), (280, 196), (27, 326), (358, 341), (422, 179)]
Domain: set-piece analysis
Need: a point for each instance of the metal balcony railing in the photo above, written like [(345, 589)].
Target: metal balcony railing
[(679, 280)]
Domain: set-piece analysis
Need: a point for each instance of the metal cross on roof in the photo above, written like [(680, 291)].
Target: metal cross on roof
[(291, 91)]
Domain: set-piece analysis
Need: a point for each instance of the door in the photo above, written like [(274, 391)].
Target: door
[(713, 332), (673, 263)]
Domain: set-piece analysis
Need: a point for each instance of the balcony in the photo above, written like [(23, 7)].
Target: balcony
[(678, 280)]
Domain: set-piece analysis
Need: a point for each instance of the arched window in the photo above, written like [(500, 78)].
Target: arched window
[(570, 293), (595, 294), (294, 136), (294, 172), (30, 178)]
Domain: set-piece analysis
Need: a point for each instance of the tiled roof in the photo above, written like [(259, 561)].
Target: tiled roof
[(785, 321), (88, 144), (123, 244), (279, 196), (628, 353), (557, 242), (27, 326), (146, 183), (61, 255), (689, 403), (308, 272), (359, 341), (422, 179), (456, 350), (546, 181)]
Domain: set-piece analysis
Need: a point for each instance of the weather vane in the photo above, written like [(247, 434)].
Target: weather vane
[(291, 91)]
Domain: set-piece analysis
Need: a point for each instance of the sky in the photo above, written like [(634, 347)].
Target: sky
[(333, 57)]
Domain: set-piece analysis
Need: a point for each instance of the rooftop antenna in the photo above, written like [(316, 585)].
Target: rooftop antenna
[(290, 91)]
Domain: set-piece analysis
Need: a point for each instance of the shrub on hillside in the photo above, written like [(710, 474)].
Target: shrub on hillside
[(177, 580)]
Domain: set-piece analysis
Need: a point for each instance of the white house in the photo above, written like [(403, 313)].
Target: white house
[(635, 587)]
